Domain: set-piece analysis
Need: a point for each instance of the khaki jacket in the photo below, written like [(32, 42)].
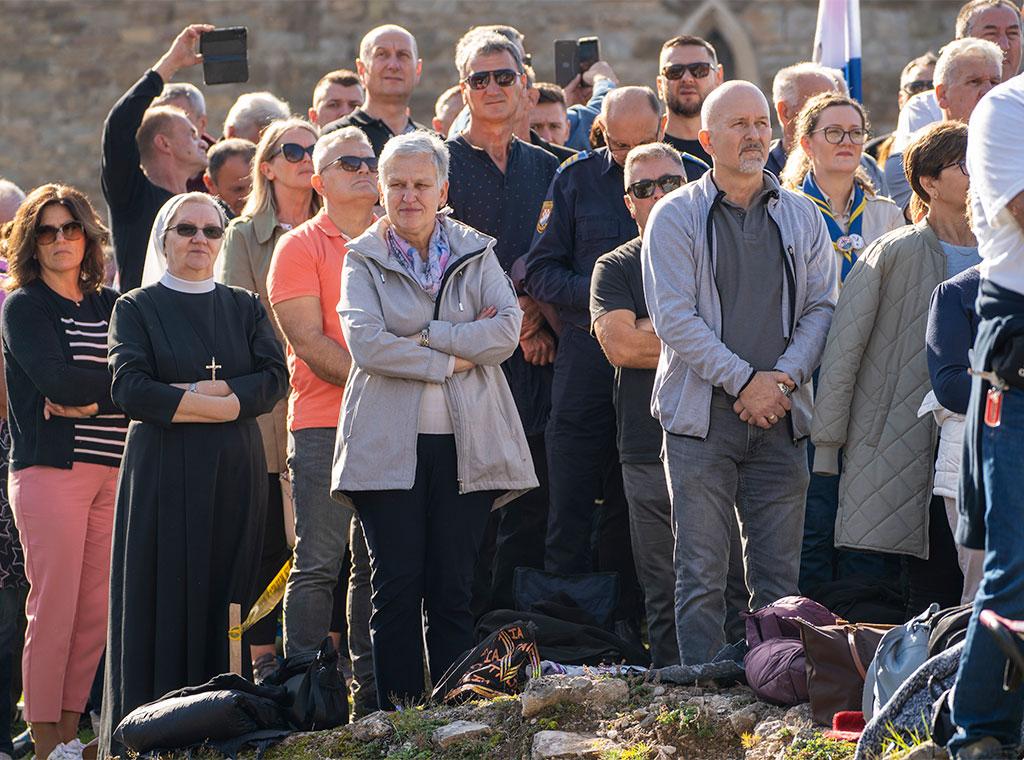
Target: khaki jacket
[(874, 376), (245, 262), (381, 305)]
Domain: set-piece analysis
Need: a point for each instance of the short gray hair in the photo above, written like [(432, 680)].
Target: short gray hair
[(182, 91), (11, 197), (965, 18), (953, 53), (650, 152), (418, 143), (328, 141), (784, 84), (254, 111), (485, 43)]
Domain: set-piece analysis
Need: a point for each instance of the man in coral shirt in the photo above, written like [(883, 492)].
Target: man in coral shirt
[(305, 285)]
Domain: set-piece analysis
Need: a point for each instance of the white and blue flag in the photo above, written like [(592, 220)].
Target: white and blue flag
[(837, 40)]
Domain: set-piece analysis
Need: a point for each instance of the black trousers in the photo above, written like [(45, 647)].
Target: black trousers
[(423, 546), (938, 578), (275, 553), (584, 473)]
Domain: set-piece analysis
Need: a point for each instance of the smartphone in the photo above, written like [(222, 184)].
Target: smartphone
[(565, 62), (587, 53), (573, 57), (225, 55)]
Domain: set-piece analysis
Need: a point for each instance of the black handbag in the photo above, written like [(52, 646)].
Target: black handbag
[(319, 699)]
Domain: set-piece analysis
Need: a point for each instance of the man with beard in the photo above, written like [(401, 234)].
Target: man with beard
[(688, 71), (740, 341)]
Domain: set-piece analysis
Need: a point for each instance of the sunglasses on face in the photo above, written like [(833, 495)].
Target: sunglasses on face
[(697, 70), (644, 188), (47, 233), (210, 231), (835, 135), (353, 163), (478, 80), (293, 152), (917, 86)]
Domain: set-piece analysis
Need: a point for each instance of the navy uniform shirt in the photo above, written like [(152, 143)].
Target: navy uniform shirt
[(582, 218), (375, 129), (505, 206)]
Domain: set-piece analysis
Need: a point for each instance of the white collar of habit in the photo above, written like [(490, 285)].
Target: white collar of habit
[(168, 280)]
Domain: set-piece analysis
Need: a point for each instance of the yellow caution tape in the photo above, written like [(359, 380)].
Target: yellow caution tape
[(268, 600)]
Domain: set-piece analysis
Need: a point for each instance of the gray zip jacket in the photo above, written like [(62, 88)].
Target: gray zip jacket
[(679, 255), (381, 304)]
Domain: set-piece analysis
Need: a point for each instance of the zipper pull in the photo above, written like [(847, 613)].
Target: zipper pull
[(382, 278)]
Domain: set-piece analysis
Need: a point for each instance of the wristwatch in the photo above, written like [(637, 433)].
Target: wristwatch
[(193, 388), (425, 337), (786, 390)]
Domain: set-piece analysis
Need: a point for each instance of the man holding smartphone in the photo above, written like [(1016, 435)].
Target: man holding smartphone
[(148, 156)]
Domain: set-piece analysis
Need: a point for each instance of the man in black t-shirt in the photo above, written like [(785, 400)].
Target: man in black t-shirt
[(688, 70), (620, 320)]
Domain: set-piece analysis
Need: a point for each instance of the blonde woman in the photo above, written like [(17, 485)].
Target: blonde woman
[(282, 198), (825, 166)]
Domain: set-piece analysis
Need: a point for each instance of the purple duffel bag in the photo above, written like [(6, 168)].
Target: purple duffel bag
[(775, 620), (776, 670)]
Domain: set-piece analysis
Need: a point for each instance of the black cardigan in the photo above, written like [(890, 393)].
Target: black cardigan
[(38, 365)]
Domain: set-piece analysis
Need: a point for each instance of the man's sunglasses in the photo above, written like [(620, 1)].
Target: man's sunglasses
[(644, 188), (697, 70), (47, 233), (210, 231), (353, 163), (917, 86), (293, 152), (478, 80)]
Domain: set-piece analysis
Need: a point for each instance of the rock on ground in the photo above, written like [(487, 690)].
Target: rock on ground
[(460, 730), (562, 745), (371, 728)]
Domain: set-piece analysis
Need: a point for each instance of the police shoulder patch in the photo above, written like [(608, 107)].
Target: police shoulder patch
[(545, 213), (573, 159)]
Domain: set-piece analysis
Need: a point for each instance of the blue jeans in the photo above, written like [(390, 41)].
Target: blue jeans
[(980, 706)]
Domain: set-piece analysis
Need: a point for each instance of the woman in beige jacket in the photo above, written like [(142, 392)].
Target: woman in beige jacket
[(281, 198), (874, 376), (429, 438)]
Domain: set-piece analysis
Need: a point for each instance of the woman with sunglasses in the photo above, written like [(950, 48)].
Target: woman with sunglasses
[(68, 438), (282, 198), (874, 377), (194, 364)]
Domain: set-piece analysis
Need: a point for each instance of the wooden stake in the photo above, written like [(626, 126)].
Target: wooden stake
[(235, 644)]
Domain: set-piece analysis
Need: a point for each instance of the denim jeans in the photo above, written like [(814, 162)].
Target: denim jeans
[(759, 476), (980, 706), (321, 535)]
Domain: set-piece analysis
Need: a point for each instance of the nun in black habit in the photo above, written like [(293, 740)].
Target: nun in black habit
[(194, 363)]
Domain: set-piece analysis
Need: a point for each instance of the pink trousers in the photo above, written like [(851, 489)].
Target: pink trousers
[(65, 518)]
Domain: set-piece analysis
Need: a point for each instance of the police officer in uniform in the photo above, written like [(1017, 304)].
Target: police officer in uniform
[(582, 218)]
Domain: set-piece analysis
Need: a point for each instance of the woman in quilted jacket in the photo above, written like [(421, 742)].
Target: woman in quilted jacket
[(874, 376)]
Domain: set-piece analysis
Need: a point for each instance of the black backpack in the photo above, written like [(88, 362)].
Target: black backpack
[(949, 628)]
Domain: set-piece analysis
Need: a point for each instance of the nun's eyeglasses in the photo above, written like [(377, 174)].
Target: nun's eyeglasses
[(210, 231)]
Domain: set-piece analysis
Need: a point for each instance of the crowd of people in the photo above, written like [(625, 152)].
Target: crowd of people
[(602, 328)]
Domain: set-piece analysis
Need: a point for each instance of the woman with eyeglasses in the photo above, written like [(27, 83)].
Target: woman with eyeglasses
[(874, 377), (282, 198), (824, 166), (67, 443), (194, 364)]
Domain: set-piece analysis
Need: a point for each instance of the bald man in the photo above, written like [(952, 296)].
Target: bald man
[(389, 69), (583, 217), (740, 341)]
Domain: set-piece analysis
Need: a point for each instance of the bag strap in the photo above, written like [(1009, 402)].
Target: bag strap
[(852, 641)]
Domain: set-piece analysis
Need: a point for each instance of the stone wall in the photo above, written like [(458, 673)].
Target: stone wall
[(65, 62)]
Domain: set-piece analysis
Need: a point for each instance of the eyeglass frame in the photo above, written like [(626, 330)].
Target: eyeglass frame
[(361, 161), (657, 183), (204, 228), (687, 67), (846, 133), (961, 165), (55, 230), (279, 151), (908, 88), (491, 74)]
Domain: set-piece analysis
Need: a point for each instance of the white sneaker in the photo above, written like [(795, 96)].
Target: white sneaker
[(70, 751)]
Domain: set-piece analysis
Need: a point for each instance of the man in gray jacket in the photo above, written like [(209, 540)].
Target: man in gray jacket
[(740, 281)]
